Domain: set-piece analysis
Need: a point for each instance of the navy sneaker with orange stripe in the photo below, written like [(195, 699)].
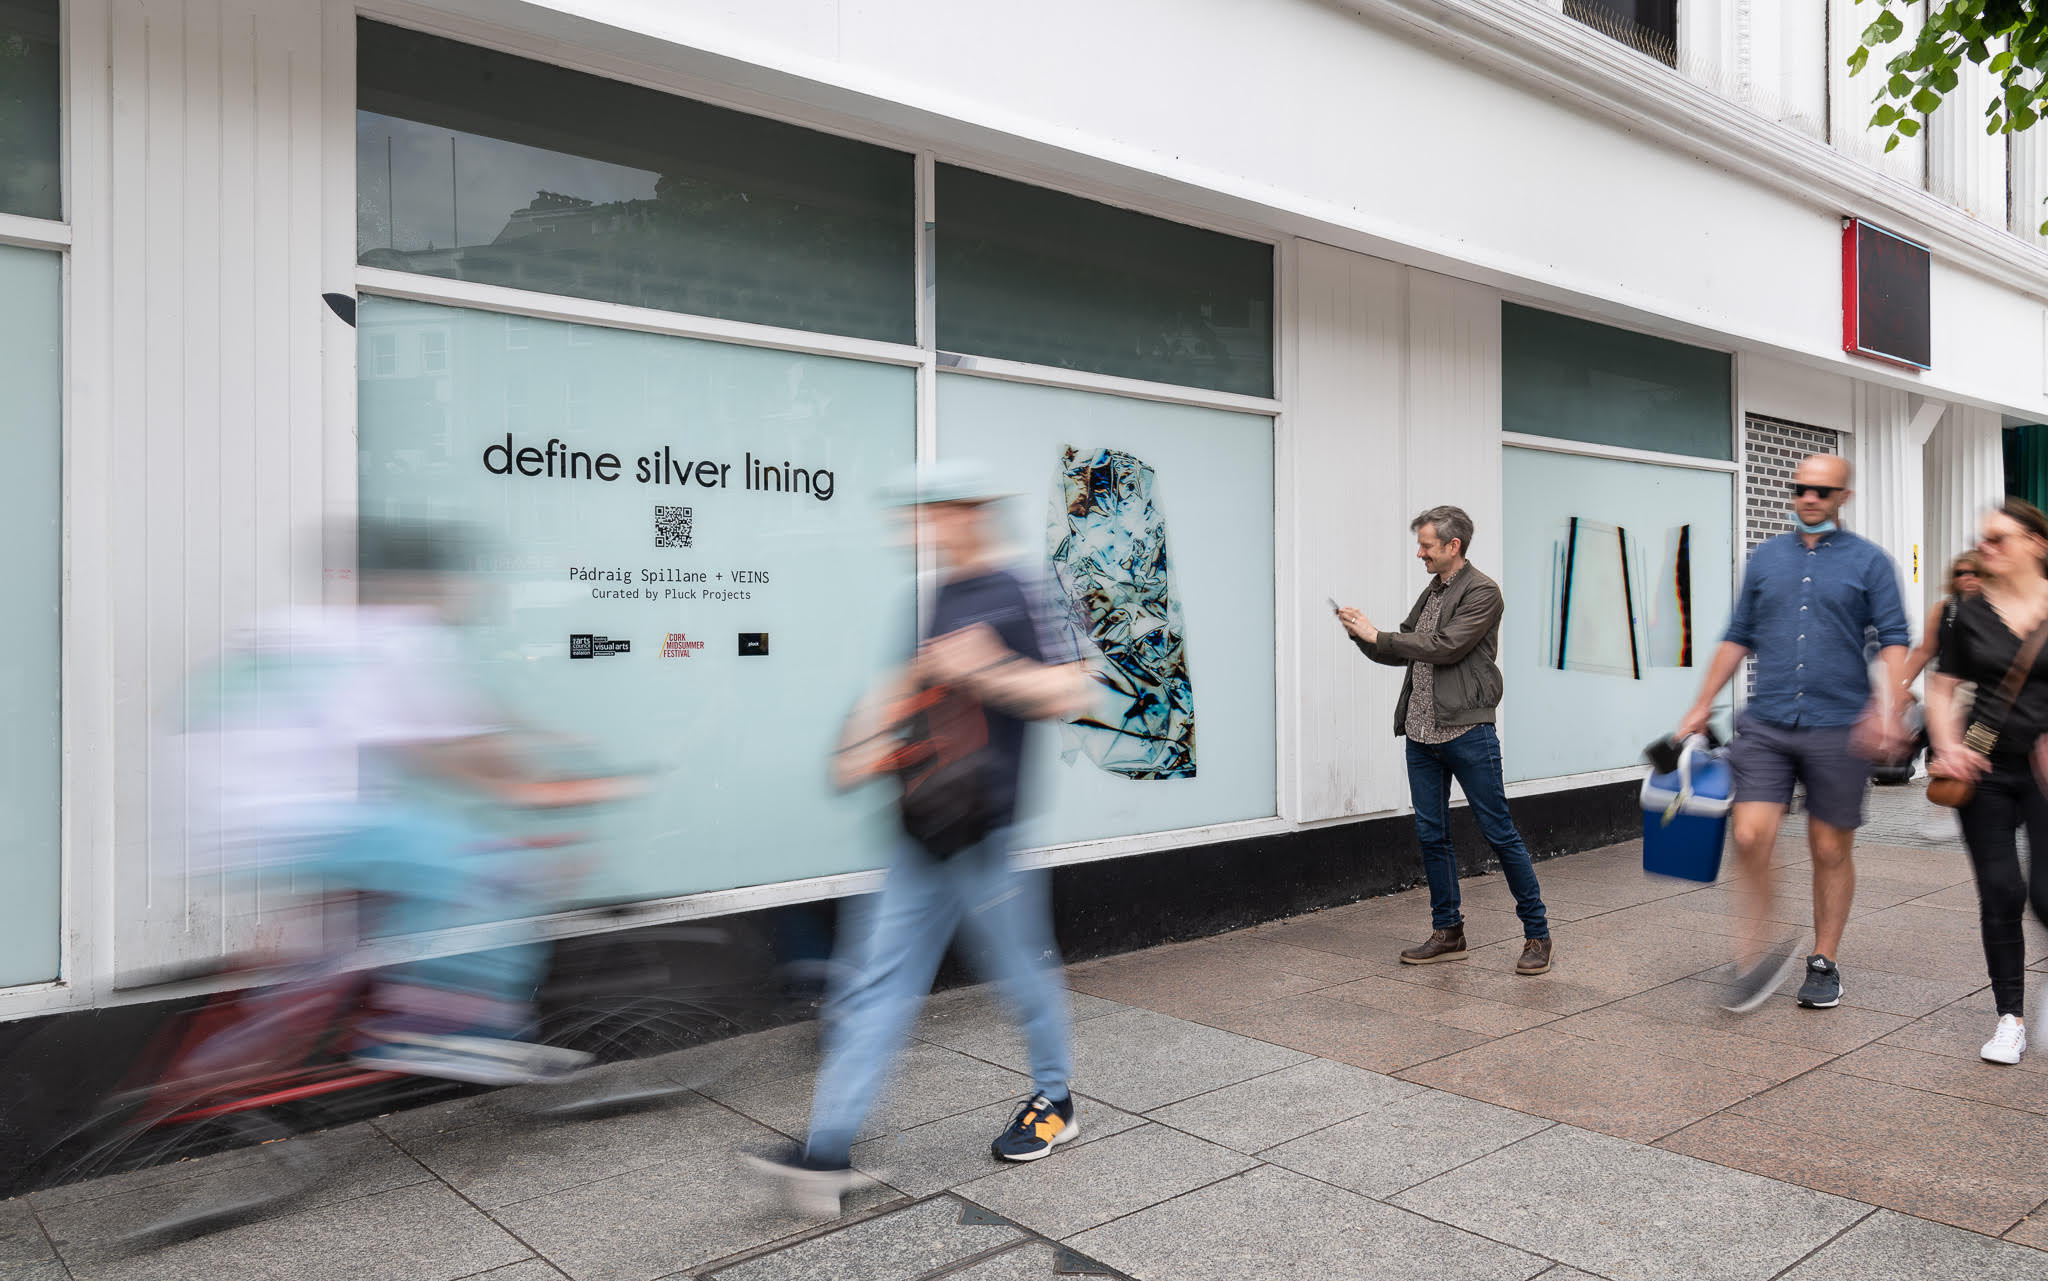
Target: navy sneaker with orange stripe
[(1042, 1126)]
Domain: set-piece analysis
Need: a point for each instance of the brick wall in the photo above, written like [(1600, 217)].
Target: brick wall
[(1771, 449)]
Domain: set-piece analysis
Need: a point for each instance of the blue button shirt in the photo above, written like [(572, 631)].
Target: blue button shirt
[(1806, 612)]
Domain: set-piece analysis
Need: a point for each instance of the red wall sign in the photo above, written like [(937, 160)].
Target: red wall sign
[(1886, 309)]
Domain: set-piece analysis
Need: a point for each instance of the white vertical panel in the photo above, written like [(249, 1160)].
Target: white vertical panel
[(1453, 407), (1350, 526), (1851, 99), (1965, 463), (1710, 51), (2028, 157), (1965, 165), (1799, 80), (214, 228), (1890, 492)]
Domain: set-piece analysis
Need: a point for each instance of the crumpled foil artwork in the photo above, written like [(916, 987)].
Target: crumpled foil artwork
[(1108, 550)]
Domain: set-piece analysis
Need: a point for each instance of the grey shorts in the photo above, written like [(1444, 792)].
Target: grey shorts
[(1768, 759)]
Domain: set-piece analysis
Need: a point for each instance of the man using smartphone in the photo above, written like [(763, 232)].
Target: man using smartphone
[(1447, 643)]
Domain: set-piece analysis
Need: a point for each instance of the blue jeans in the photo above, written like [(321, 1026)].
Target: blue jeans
[(894, 953), (1473, 758)]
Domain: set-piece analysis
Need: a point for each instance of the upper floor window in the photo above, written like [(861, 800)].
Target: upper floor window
[(1650, 26)]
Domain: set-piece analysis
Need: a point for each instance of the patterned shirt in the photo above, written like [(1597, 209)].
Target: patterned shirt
[(1421, 726)]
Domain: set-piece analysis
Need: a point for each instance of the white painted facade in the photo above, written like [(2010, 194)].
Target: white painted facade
[(1416, 162)]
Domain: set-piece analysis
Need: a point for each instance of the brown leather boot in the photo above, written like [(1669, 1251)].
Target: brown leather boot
[(1535, 957), (1443, 945)]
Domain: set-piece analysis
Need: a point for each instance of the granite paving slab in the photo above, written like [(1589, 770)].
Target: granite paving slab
[(902, 1245), (666, 1218), (1622, 1090), (1897, 1247), (1283, 1105), (419, 1233), (1632, 1213), (1138, 1060), (1404, 1143), (1269, 1224), (1378, 1040)]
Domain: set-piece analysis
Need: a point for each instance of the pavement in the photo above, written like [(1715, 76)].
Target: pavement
[(1284, 1101)]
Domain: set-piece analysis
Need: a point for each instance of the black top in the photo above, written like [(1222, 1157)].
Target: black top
[(1001, 600), (1976, 645)]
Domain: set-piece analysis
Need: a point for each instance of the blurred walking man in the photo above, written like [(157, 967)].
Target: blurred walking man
[(1807, 603), (1447, 643), (985, 669)]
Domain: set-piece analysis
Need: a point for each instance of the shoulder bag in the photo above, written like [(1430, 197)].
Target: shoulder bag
[(1981, 737)]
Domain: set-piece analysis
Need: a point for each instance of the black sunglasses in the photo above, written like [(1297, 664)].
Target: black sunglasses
[(1822, 492)]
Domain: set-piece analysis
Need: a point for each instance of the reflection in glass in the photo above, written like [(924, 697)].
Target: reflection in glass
[(30, 130), (1028, 274), (31, 505), (477, 165)]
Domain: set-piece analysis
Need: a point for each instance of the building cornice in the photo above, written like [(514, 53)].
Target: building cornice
[(1534, 45)]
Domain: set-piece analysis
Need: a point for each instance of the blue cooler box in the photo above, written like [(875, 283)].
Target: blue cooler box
[(1685, 815)]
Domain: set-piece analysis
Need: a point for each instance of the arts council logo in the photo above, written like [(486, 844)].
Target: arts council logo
[(584, 645), (679, 646)]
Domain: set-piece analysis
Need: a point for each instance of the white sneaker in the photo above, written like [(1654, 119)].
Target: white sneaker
[(2008, 1043)]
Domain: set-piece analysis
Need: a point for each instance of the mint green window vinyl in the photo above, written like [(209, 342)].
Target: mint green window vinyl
[(699, 494), (1574, 379), (31, 579), (477, 165)]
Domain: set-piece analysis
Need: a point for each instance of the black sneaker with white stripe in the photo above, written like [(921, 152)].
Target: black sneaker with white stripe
[(1823, 987)]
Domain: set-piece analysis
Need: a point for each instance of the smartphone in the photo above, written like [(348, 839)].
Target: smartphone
[(1335, 608)]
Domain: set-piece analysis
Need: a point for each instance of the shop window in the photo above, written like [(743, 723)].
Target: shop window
[(31, 133), (1649, 26), (434, 352), (669, 494), (1152, 525), (1619, 580), (31, 434), (1024, 273), (1577, 380), (477, 165)]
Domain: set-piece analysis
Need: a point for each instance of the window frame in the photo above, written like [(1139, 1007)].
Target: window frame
[(922, 355)]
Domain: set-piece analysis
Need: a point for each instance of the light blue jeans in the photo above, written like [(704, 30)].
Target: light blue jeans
[(893, 951)]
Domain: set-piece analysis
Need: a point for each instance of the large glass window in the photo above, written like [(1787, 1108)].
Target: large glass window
[(31, 487), (30, 129), (1577, 380), (1035, 275), (478, 165), (688, 565), (1619, 577), (1153, 526)]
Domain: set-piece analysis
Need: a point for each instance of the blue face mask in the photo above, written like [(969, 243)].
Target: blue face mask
[(1825, 527)]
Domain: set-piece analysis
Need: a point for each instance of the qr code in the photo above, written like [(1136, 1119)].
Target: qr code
[(671, 527)]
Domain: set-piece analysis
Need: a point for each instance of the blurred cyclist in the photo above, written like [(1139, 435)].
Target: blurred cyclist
[(950, 725), (349, 743)]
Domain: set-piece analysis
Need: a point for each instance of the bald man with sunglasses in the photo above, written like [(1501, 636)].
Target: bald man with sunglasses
[(1808, 603)]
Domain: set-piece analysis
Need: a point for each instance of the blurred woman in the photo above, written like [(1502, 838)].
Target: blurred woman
[(1985, 637), (1965, 579)]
